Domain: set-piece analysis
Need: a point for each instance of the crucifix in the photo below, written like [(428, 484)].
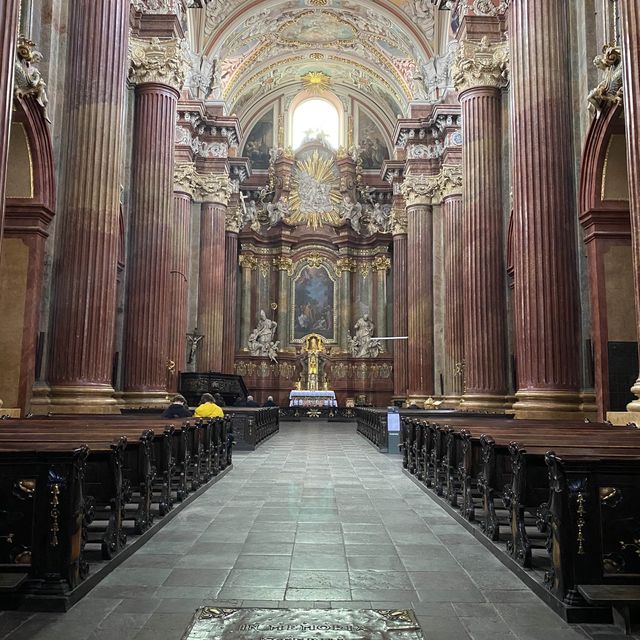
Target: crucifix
[(193, 339)]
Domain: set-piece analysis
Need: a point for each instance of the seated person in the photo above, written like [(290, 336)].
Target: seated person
[(240, 401), (219, 400), (208, 408), (177, 409), (270, 402), (251, 402)]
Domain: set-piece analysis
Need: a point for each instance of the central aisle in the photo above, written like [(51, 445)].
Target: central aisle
[(315, 517)]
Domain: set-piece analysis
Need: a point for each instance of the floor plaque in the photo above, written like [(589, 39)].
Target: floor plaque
[(303, 624)]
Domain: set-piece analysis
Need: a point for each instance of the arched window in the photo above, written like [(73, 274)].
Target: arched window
[(316, 119)]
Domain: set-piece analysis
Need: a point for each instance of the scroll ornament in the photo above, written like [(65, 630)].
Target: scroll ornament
[(163, 61), (609, 92), (480, 64)]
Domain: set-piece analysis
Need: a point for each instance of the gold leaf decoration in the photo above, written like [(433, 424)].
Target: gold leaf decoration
[(316, 81)]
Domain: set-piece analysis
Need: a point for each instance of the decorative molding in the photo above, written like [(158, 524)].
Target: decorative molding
[(161, 61), (215, 188), (186, 179), (233, 219), (399, 221), (314, 259), (160, 7), (450, 181), (481, 64), (609, 92), (419, 189)]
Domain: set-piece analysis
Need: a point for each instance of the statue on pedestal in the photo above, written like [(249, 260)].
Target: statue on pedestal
[(313, 361), (363, 344), (261, 341)]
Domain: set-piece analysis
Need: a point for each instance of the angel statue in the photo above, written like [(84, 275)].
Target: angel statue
[(261, 341), (351, 211), (363, 344)]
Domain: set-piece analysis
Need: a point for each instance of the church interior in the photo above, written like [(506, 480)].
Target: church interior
[(395, 244)]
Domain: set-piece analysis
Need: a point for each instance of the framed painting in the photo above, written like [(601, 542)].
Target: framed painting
[(371, 142), (314, 304), (260, 141)]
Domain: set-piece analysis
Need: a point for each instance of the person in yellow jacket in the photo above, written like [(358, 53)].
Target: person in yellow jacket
[(208, 408)]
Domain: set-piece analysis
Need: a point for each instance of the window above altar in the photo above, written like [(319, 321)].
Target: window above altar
[(316, 120)]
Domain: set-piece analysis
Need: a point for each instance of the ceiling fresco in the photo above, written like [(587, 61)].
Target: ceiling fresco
[(375, 47)]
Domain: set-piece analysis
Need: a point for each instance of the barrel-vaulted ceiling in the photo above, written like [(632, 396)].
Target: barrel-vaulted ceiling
[(373, 48)]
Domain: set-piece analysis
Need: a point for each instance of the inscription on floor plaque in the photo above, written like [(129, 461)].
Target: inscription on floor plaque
[(303, 624)]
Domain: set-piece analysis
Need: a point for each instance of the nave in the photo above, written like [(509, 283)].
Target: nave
[(315, 518)]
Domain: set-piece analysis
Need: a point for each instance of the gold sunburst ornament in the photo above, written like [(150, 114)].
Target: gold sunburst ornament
[(316, 81), (315, 195)]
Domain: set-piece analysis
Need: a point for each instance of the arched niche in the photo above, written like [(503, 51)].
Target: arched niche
[(604, 216), (327, 97), (28, 213)]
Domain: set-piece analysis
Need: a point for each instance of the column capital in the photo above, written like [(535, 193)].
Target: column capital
[(215, 189), (186, 178), (480, 64), (398, 221), (381, 263), (163, 61), (283, 263), (419, 189), (450, 181), (345, 264), (248, 262)]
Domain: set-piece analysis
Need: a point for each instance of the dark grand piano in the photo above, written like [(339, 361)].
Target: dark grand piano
[(250, 425)]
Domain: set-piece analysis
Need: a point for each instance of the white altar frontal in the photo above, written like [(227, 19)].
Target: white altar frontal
[(310, 398)]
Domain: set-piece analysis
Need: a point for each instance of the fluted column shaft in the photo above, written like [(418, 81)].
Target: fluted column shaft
[(454, 296), (211, 285), (85, 276), (230, 293), (9, 38), (546, 304), (630, 22), (400, 315), (179, 284), (483, 277), (420, 381), (381, 306), (247, 265), (147, 318)]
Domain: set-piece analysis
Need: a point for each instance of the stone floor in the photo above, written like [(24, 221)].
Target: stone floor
[(315, 518)]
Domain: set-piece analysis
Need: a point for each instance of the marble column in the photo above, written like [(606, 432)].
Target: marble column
[(418, 191), (630, 24), (344, 267), (452, 211), (9, 38), (211, 283), (88, 221), (284, 264), (158, 73), (400, 314), (477, 74), (248, 264), (381, 265), (547, 327), (232, 229), (185, 178)]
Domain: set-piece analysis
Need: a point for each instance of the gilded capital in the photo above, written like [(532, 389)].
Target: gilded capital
[(480, 64), (419, 189), (215, 188), (345, 264), (247, 262), (163, 61), (381, 263), (186, 178), (283, 263)]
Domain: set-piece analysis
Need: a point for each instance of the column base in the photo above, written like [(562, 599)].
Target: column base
[(144, 400), (6, 412), (634, 405), (451, 402), (548, 405), (486, 402), (95, 399)]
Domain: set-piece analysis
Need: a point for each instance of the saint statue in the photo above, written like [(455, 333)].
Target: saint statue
[(363, 344), (261, 341), (351, 211)]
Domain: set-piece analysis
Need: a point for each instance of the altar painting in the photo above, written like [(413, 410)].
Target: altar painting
[(314, 304), (259, 142), (371, 141)]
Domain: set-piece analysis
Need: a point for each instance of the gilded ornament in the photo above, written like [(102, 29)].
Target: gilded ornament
[(163, 61), (316, 81), (314, 259), (345, 264), (265, 267), (215, 188), (381, 263), (480, 64), (364, 268), (247, 262), (284, 263)]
